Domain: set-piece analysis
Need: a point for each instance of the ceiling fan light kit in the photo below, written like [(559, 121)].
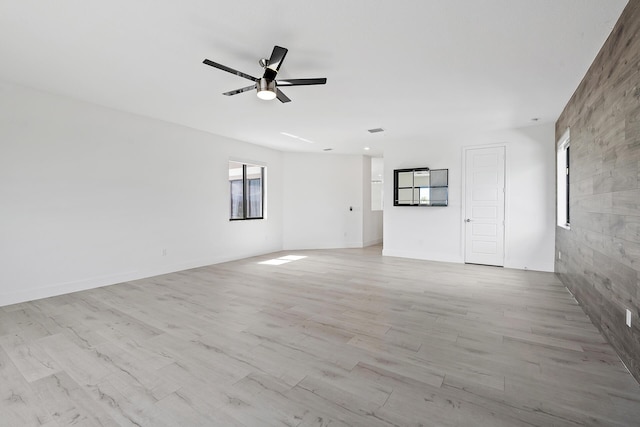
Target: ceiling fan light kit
[(266, 89), (267, 85)]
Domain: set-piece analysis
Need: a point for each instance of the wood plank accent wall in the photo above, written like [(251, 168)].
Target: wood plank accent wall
[(600, 261)]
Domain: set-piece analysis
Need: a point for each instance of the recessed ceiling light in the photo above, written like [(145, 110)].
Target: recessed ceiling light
[(376, 130), (327, 149), (535, 119), (367, 148)]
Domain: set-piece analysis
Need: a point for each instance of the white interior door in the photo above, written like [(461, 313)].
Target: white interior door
[(484, 206)]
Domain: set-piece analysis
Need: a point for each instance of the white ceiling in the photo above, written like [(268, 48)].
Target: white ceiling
[(419, 69)]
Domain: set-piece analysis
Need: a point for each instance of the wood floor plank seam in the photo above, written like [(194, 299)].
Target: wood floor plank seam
[(342, 337)]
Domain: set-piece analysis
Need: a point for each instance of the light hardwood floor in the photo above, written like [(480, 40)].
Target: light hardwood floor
[(340, 338)]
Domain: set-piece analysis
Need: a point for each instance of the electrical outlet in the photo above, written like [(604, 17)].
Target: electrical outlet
[(559, 255), (628, 318)]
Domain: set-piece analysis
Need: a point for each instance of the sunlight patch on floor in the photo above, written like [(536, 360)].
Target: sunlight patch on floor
[(282, 260)]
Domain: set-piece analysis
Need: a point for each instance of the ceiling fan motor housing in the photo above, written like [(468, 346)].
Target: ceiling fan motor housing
[(266, 88)]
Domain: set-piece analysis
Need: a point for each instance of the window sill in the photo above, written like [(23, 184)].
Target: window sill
[(565, 226)]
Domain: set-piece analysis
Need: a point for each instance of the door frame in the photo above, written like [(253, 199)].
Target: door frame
[(463, 207)]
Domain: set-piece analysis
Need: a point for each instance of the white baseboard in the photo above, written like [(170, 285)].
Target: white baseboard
[(323, 245), (112, 279), (372, 242), (422, 255)]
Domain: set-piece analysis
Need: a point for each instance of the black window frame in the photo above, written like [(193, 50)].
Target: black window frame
[(563, 182), (245, 193), (567, 163)]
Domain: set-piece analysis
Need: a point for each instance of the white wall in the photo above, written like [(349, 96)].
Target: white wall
[(91, 196), (318, 191), (437, 233)]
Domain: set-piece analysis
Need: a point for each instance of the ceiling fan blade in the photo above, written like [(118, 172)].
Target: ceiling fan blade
[(301, 82), (229, 70), (237, 91), (277, 56), (281, 96), (274, 63)]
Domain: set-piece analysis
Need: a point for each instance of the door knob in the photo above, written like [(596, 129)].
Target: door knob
[(467, 220)]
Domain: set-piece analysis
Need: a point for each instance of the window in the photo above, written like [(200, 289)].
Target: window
[(563, 162), (377, 171), (246, 189)]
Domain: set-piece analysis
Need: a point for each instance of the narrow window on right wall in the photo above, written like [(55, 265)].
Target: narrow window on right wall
[(563, 190)]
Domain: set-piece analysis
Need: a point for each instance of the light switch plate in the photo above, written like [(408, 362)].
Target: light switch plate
[(628, 318)]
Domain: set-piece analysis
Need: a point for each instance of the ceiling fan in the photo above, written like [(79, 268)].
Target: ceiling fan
[(267, 86)]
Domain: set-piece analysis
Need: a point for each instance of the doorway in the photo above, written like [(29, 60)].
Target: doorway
[(484, 205)]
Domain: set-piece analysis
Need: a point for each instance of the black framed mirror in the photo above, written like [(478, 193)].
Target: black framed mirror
[(421, 187)]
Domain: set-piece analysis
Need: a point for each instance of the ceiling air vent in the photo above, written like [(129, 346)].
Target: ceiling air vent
[(376, 130)]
